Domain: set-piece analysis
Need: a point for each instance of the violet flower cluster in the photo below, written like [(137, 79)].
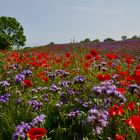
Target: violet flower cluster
[(5, 98), (20, 130), (36, 105), (79, 79), (61, 73), (21, 76), (54, 88), (38, 120), (74, 113), (98, 120), (107, 89), (4, 83)]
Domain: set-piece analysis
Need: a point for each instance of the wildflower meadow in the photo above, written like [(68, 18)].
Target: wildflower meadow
[(70, 93)]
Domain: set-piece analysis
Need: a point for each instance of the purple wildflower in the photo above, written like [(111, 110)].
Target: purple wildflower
[(61, 73), (19, 77), (74, 113), (20, 131), (54, 88), (35, 104), (70, 92), (64, 84), (38, 120), (4, 83), (51, 75), (45, 97), (26, 72), (79, 79), (5, 98)]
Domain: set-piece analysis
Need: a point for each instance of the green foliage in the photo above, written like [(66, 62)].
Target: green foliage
[(11, 33), (96, 41), (86, 40), (124, 37), (108, 40)]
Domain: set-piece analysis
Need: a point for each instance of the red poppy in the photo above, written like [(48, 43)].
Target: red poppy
[(94, 52), (119, 137), (116, 110), (111, 56), (67, 54), (129, 77), (88, 56), (137, 72), (44, 78), (138, 66), (103, 77), (131, 106), (134, 122), (41, 73), (137, 75), (123, 73), (121, 90), (27, 83), (128, 60), (36, 133)]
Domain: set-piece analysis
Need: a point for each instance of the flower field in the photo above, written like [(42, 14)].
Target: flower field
[(72, 93)]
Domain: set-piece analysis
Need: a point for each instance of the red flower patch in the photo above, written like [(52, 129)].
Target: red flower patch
[(134, 122), (27, 83), (36, 133)]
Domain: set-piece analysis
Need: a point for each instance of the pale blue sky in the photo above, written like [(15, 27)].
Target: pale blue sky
[(61, 20)]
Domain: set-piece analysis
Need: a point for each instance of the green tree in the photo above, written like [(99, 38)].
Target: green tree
[(109, 40), (135, 37), (11, 33), (96, 41), (87, 40), (124, 37)]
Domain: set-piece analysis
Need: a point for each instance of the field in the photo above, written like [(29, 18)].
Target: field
[(71, 91)]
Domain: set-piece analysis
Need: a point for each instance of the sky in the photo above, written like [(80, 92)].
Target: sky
[(62, 21)]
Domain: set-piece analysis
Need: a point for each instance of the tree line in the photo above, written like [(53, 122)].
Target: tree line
[(12, 34)]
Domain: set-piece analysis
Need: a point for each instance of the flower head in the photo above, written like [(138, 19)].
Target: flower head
[(36, 133)]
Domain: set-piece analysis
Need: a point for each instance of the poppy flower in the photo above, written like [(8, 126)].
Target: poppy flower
[(137, 75), (116, 110), (88, 56), (121, 90), (103, 77), (93, 52), (67, 54), (27, 83), (134, 122), (129, 60), (137, 72), (119, 137), (111, 56), (123, 73), (36, 133), (129, 77), (138, 66), (131, 106), (44, 78)]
